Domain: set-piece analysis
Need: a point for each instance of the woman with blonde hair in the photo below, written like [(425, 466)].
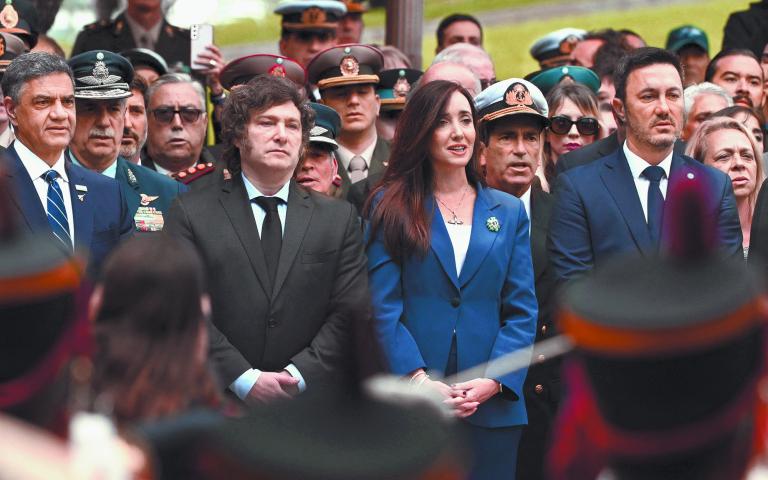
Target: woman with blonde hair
[(727, 145)]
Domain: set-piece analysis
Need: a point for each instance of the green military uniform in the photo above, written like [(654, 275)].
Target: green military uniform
[(173, 43)]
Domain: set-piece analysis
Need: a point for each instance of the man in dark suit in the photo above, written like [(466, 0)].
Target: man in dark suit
[(758, 235), (748, 28), (512, 144), (347, 77), (286, 265), (143, 25), (96, 142), (81, 209), (615, 204)]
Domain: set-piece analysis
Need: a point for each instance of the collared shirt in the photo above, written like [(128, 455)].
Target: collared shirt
[(162, 170), (36, 168), (110, 171), (7, 137), (526, 199), (245, 382), (345, 155), (636, 166), (140, 33)]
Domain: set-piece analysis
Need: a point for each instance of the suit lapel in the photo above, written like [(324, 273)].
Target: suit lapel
[(440, 242), (82, 210), (297, 219), (379, 157), (481, 239), (609, 146), (26, 198), (617, 178), (237, 206)]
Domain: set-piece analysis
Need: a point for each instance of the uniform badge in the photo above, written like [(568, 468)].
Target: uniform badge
[(402, 87), (2, 46), (131, 177), (349, 66), (148, 219), (518, 94), (81, 191), (8, 16), (568, 44), (313, 16), (147, 199), (100, 73), (278, 70)]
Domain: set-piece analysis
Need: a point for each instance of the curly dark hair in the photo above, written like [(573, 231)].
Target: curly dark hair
[(261, 93)]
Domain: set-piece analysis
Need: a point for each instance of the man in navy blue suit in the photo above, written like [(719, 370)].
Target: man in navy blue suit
[(78, 208), (615, 204)]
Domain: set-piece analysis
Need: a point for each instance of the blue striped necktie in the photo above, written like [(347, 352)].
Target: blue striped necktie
[(57, 212)]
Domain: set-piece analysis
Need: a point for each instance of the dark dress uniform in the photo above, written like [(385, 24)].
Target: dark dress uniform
[(173, 43), (208, 169)]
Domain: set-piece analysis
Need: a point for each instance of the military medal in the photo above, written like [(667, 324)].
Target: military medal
[(148, 219), (8, 16)]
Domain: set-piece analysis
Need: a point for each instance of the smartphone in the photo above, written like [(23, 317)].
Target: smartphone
[(201, 35)]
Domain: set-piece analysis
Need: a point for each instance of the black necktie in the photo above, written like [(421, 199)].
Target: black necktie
[(654, 174), (271, 233)]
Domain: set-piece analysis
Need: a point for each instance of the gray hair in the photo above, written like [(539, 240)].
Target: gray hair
[(29, 66), (458, 52), (171, 78), (704, 88)]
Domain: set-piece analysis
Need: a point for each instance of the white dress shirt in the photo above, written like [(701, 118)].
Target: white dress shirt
[(37, 168), (345, 155), (460, 236), (245, 382), (642, 184)]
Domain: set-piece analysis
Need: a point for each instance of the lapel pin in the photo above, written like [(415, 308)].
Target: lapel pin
[(690, 176), (81, 191), (493, 224)]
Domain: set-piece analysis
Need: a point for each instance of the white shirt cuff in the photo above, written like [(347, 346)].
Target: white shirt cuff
[(245, 382), (291, 368)]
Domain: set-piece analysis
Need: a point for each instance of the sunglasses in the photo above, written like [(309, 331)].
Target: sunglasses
[(166, 114), (561, 125)]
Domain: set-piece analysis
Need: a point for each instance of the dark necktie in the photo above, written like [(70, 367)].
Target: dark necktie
[(654, 174), (57, 212), (271, 233)]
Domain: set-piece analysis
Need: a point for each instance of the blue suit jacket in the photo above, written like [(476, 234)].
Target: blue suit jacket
[(491, 306), (598, 213), (101, 219)]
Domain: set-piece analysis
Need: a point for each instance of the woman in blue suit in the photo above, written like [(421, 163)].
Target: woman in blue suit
[(450, 272)]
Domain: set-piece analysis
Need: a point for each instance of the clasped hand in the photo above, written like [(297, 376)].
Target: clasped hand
[(464, 398), (273, 386)]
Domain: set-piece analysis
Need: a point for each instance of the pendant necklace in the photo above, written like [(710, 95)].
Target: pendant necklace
[(455, 220)]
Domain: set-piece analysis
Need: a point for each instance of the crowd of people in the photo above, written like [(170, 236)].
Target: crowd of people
[(213, 269)]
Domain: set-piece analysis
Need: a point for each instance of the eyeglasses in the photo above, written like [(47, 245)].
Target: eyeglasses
[(187, 114), (561, 125)]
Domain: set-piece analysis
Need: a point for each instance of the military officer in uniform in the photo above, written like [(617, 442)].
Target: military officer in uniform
[(347, 76), (554, 49), (19, 17), (318, 168), (141, 25), (351, 25), (102, 85), (308, 27)]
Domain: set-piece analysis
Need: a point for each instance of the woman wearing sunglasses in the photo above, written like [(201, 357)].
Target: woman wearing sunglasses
[(573, 116)]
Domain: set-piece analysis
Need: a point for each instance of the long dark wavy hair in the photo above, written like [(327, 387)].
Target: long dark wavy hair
[(148, 331), (396, 205)]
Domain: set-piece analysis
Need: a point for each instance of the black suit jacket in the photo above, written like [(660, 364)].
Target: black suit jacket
[(321, 285), (173, 43), (379, 159), (748, 29), (758, 235)]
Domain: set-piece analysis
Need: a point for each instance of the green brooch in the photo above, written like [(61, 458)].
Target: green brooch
[(493, 224)]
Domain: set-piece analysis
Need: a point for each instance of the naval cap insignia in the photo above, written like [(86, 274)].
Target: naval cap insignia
[(349, 66), (2, 46), (313, 16), (518, 94), (317, 130), (568, 44)]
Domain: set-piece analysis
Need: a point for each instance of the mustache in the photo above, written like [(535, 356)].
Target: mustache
[(740, 97), (101, 132), (130, 134)]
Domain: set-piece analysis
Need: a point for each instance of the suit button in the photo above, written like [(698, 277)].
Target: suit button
[(541, 358), (455, 302), (539, 389), (271, 323), (543, 329)]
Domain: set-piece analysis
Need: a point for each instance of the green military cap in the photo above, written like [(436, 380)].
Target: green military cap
[(548, 79), (395, 85), (241, 70), (554, 48), (513, 96), (311, 15), (345, 65), (11, 47), (687, 35), (147, 58), (101, 75), (19, 17), (327, 125)]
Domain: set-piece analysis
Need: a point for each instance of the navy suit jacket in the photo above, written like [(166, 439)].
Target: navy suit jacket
[(598, 213), (491, 306), (101, 218)]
